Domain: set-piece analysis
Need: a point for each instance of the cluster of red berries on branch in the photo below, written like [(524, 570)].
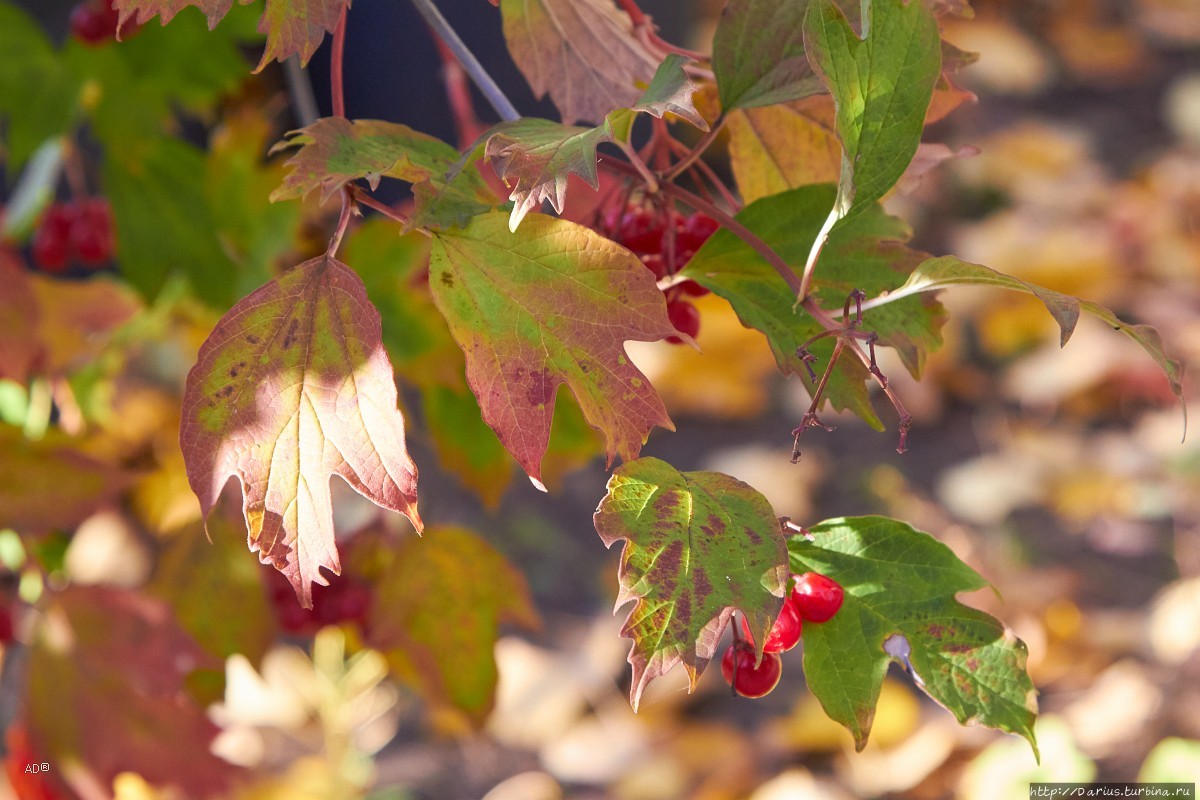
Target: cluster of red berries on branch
[(343, 600), (73, 232), (665, 241), (815, 598), (94, 22)]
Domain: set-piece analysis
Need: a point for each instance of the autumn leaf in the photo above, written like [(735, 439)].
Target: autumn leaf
[(758, 54), (552, 303), (582, 52), (292, 27), (108, 676), (335, 151), (900, 582), (780, 147), (698, 545), (881, 85), (19, 351), (437, 626), (536, 157), (939, 273), (293, 386)]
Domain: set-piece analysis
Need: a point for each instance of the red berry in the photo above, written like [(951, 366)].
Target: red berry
[(654, 263), (51, 248), (695, 232), (94, 21), (685, 317), (817, 598), (640, 231), (737, 665), (91, 235), (785, 633)]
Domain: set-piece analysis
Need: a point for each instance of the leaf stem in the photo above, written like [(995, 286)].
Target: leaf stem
[(336, 57), (487, 85), (814, 253), (702, 167), (365, 199), (697, 149), (348, 207)]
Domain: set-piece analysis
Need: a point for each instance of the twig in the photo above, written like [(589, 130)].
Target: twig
[(709, 173), (336, 57), (301, 92), (459, 95), (490, 89), (697, 150)]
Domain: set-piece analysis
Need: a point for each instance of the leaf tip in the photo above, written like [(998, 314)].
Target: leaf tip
[(537, 484)]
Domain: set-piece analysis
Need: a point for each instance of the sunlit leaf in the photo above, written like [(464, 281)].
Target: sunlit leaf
[(292, 387), (780, 147), (939, 273), (698, 545), (440, 602), (868, 253), (107, 693), (292, 27), (881, 85), (582, 52), (552, 303), (900, 582)]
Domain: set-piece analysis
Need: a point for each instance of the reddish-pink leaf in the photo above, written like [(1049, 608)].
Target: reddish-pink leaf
[(292, 27), (108, 672), (551, 303), (292, 387), (698, 545)]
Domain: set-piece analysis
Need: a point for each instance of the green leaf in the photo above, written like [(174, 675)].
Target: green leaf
[(164, 223), (552, 303), (440, 601), (901, 582), (698, 545), (215, 592), (582, 52), (881, 85), (939, 273), (38, 94), (670, 92), (335, 151), (292, 27), (758, 54), (868, 254), (292, 387)]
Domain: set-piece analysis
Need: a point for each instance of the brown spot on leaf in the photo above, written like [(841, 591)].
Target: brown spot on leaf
[(289, 338), (236, 369), (224, 392), (252, 338), (701, 582), (752, 535), (447, 280)]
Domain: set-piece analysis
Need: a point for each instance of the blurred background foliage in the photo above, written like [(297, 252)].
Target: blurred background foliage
[(1059, 475)]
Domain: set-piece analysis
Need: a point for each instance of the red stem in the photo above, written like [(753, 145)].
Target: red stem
[(336, 57), (335, 241), (697, 150), (466, 123)]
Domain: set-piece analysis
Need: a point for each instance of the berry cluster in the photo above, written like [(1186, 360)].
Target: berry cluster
[(815, 598), (343, 600), (74, 232), (665, 242), (94, 22)]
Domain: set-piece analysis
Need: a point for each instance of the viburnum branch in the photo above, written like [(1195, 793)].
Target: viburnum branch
[(483, 80), (810, 419), (349, 207), (643, 171), (336, 58), (362, 198), (707, 171), (696, 150)]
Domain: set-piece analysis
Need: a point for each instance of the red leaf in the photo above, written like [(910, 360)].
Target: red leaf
[(294, 386)]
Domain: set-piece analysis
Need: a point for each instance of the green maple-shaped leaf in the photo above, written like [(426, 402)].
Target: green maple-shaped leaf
[(698, 545), (582, 52), (536, 156), (881, 85), (940, 273), (437, 612), (868, 253), (292, 387), (552, 303), (292, 27), (335, 151), (758, 53), (900, 582)]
